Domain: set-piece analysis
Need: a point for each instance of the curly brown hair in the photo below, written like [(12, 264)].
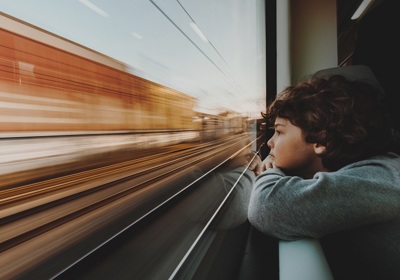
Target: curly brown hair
[(343, 115)]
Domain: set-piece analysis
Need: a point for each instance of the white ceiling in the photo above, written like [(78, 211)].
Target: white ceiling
[(224, 69)]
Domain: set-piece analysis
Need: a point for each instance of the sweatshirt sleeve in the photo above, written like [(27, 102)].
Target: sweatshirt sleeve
[(290, 208)]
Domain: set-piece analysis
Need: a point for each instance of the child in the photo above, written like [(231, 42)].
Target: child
[(330, 175)]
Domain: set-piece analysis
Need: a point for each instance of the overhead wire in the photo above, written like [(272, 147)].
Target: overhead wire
[(232, 81)]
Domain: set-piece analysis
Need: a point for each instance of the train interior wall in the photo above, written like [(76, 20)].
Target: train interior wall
[(377, 46)]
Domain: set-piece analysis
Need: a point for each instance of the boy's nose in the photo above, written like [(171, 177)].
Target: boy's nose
[(269, 143)]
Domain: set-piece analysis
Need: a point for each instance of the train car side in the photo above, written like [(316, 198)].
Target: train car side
[(43, 88)]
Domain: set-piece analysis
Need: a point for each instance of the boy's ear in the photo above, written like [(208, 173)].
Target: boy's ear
[(319, 149)]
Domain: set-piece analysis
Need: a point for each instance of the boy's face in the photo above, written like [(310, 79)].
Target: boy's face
[(291, 153)]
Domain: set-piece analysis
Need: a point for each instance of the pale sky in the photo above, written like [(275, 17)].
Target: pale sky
[(213, 50)]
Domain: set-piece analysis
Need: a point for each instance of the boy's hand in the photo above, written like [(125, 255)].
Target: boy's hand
[(269, 162), (257, 165)]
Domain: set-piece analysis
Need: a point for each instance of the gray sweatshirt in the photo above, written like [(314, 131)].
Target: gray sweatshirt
[(359, 194)]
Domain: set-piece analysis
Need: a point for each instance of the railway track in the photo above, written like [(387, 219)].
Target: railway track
[(42, 220)]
